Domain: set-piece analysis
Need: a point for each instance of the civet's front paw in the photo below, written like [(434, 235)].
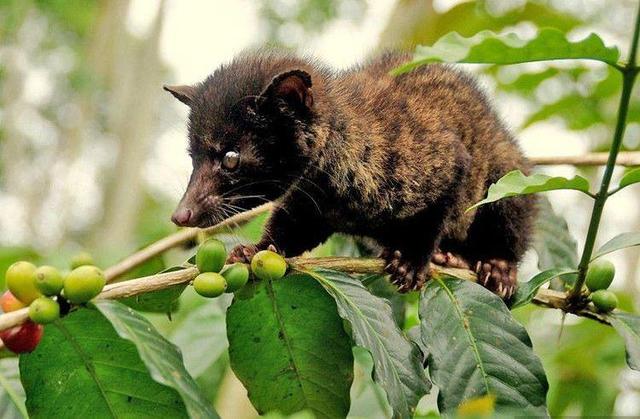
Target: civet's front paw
[(406, 274), (245, 252)]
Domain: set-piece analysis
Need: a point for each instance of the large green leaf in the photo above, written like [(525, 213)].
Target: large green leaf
[(628, 326), (202, 335), (527, 290), (83, 369), (288, 347), (477, 348), (11, 391), (631, 177), (487, 47), (552, 241), (517, 183), (397, 362), (621, 241), (161, 357)]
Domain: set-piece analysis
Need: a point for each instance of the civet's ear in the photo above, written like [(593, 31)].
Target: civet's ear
[(184, 94), (292, 87)]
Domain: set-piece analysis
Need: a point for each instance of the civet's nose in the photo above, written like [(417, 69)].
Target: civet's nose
[(182, 217)]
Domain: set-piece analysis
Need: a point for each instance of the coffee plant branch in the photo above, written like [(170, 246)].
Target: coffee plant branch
[(545, 297)]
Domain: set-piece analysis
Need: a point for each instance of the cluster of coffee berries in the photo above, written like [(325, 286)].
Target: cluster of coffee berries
[(599, 277), (43, 289), (213, 280)]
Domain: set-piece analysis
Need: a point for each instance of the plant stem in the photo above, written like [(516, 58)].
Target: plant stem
[(629, 72)]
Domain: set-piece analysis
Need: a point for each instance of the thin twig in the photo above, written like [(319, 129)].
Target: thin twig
[(625, 158), (177, 239)]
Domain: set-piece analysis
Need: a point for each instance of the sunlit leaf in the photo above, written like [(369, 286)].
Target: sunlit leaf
[(527, 290), (477, 348), (621, 241), (516, 183), (487, 47), (628, 326), (630, 178), (478, 407)]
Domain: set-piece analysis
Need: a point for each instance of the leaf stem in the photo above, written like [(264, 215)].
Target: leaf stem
[(628, 77)]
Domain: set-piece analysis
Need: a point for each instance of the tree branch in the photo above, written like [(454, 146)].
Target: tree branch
[(545, 297), (625, 158)]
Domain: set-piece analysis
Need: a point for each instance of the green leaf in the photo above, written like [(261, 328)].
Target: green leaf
[(476, 348), (527, 290), (516, 183), (621, 241), (288, 347), (202, 336), (82, 368), (161, 301), (161, 357), (631, 177), (11, 391), (552, 241), (628, 326), (397, 362), (487, 47)]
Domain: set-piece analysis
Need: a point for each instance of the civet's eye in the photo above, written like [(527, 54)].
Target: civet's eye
[(231, 160)]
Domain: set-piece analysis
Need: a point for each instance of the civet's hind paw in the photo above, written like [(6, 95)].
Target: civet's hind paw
[(499, 276)]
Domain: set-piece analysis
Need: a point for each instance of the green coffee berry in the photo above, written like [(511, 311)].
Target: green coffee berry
[(44, 310), (236, 276), (81, 259), (268, 265), (20, 279), (604, 300), (211, 256), (49, 280), (83, 283), (600, 275), (210, 284)]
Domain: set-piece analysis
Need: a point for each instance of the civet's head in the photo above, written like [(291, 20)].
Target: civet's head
[(250, 130)]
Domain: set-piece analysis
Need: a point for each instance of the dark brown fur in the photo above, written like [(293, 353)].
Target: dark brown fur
[(397, 159)]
